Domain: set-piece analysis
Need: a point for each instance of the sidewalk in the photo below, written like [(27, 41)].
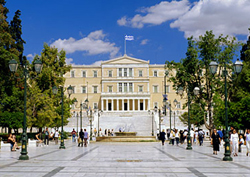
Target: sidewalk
[(122, 159)]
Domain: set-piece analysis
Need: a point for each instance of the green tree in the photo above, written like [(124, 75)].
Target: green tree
[(193, 71), (44, 107)]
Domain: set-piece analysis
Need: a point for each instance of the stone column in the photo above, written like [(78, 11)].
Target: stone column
[(144, 105), (117, 105), (133, 104)]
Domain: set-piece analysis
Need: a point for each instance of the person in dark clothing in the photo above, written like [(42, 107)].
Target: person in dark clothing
[(215, 141), (162, 136), (46, 139), (81, 135)]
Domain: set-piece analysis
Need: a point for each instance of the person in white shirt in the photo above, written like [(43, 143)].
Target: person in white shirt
[(172, 137), (177, 137), (247, 136), (56, 136), (235, 142), (192, 135), (185, 136)]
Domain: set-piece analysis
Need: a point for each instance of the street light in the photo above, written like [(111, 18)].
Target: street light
[(196, 92), (13, 67), (237, 69), (175, 104), (98, 123), (152, 113), (165, 93), (89, 115), (55, 91)]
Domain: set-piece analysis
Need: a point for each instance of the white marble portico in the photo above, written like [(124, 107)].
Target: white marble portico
[(125, 104)]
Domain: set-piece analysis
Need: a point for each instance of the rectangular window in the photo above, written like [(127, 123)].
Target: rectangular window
[(110, 89), (130, 87), (84, 89), (125, 87), (120, 72), (83, 73), (178, 105), (140, 88), (95, 73), (95, 106), (125, 72), (140, 73), (155, 73), (167, 88), (130, 72), (110, 73), (120, 87), (72, 74), (95, 89), (155, 89)]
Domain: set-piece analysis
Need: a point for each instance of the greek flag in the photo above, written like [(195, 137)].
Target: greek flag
[(129, 38)]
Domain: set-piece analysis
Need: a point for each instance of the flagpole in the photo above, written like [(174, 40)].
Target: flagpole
[(125, 46)]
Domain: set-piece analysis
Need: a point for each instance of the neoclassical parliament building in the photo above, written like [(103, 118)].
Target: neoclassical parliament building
[(124, 92)]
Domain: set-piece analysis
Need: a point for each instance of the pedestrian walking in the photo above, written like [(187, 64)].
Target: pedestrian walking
[(80, 138), (241, 142), (235, 142), (192, 135), (73, 134), (56, 136), (177, 137), (85, 136), (201, 136), (46, 138), (162, 137), (215, 141), (172, 137), (247, 136)]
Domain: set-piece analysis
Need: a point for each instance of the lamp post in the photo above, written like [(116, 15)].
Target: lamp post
[(152, 114), (13, 67), (196, 92), (55, 91), (237, 69), (89, 114), (98, 123), (170, 123), (81, 105), (165, 92), (77, 123), (175, 104)]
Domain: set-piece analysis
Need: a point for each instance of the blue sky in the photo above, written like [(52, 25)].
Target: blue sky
[(91, 31)]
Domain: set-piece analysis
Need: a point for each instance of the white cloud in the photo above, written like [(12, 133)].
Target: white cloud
[(227, 17), (144, 41), (156, 14), (98, 63), (69, 61), (95, 43), (30, 56)]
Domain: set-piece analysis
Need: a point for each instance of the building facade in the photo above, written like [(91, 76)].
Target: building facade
[(124, 86)]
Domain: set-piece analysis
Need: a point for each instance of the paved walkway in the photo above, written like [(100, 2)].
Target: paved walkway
[(122, 159)]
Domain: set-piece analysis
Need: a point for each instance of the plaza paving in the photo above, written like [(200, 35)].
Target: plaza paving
[(122, 159)]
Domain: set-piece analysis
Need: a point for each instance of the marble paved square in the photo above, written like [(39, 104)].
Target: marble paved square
[(122, 159)]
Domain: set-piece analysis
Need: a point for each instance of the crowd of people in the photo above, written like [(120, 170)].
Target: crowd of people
[(180, 136), (216, 139)]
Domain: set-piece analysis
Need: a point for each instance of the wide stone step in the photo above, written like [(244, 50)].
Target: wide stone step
[(126, 139)]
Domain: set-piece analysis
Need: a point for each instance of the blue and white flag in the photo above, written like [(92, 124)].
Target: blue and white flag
[(129, 38)]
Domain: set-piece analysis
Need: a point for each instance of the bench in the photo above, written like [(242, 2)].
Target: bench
[(4, 145), (34, 143)]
